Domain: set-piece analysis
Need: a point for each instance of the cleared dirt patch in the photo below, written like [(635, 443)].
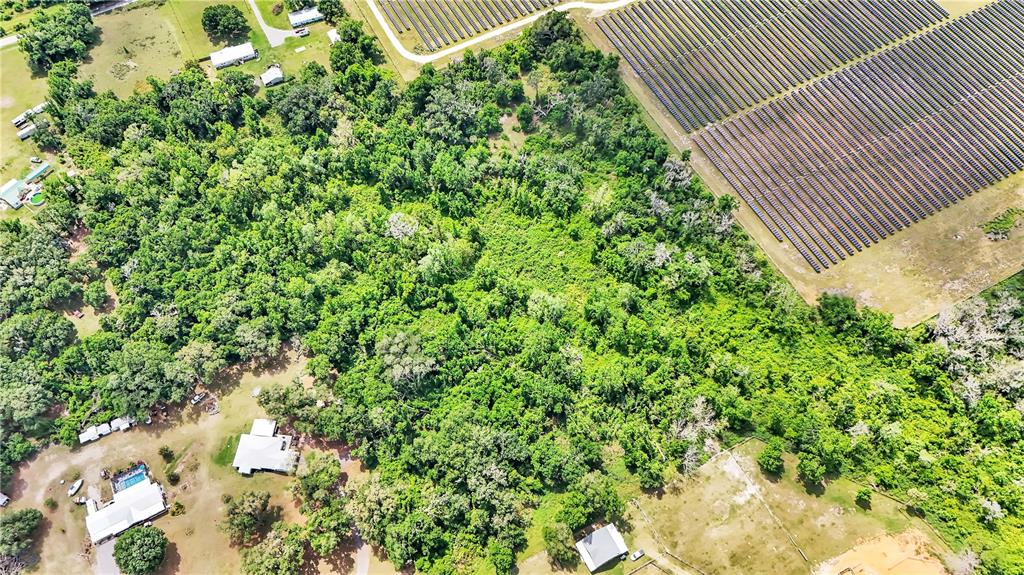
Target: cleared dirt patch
[(729, 517), (908, 553)]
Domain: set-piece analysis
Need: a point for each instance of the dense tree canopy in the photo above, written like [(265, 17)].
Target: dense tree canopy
[(488, 322), (224, 20), (16, 528), (63, 33), (140, 550)]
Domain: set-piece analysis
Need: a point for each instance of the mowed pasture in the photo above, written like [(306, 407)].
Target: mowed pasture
[(19, 90), (440, 23), (729, 517), (706, 60), (843, 163)]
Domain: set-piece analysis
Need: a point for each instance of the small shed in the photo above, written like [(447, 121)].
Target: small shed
[(11, 192), (120, 424), (304, 16), (40, 108), (233, 55), (272, 76), (333, 36), (602, 547), (103, 429), (20, 119)]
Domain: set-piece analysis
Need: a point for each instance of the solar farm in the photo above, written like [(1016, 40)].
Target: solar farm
[(441, 23), (706, 59), (845, 162)]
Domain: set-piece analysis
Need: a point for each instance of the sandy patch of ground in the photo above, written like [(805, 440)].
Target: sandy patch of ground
[(729, 517), (909, 553)]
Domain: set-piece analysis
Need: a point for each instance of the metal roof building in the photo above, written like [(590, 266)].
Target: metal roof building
[(602, 547), (131, 506), (233, 55), (304, 16), (272, 76), (260, 449), (11, 192)]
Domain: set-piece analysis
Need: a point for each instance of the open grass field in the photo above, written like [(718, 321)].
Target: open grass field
[(128, 53), (19, 90), (196, 543), (731, 518)]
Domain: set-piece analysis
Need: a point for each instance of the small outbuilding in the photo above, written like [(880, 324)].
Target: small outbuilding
[(4, 500), (233, 55), (602, 547), (262, 450), (333, 36), (304, 16), (272, 76)]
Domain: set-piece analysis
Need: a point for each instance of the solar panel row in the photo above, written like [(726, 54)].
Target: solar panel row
[(440, 23), (847, 161), (707, 59)]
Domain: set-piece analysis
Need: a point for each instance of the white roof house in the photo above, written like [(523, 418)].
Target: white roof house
[(272, 76), (602, 547), (333, 36), (233, 55), (130, 506), (262, 450), (304, 16), (90, 434)]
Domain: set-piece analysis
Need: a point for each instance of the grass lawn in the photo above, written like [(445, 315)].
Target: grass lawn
[(21, 18), (279, 20), (19, 90), (128, 53)]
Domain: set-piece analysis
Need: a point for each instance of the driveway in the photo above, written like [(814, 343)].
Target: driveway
[(275, 36)]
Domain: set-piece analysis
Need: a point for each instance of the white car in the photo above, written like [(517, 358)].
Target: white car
[(198, 397), (75, 487), (636, 555)]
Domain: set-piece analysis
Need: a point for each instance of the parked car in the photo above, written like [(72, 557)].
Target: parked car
[(198, 397), (36, 160), (78, 314), (302, 32), (636, 555), (75, 487)]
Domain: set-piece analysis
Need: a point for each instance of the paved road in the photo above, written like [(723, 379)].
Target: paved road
[(461, 47), (275, 36)]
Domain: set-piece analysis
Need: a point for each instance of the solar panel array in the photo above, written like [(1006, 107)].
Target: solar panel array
[(440, 23), (707, 59), (838, 165)]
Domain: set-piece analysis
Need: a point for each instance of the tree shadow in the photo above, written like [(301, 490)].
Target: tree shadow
[(172, 560)]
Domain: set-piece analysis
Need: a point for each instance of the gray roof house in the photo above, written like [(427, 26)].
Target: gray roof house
[(261, 449), (602, 547)]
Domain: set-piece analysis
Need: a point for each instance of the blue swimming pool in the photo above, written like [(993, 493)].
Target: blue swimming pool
[(129, 478)]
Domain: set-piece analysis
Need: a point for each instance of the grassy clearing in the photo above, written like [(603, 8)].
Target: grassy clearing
[(225, 455), (128, 53), (279, 20), (19, 90), (731, 518)]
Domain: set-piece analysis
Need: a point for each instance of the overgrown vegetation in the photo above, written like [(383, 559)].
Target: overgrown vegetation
[(483, 321), (999, 227), (63, 33)]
